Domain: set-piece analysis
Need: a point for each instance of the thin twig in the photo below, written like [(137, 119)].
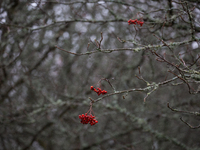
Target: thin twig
[(181, 111), (191, 22), (183, 80), (101, 40), (192, 127)]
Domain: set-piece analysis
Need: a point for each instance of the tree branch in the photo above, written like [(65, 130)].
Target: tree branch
[(37, 134)]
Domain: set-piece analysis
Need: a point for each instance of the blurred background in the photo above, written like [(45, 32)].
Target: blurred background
[(44, 89)]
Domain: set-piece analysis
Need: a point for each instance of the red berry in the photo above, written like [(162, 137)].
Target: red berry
[(85, 119), (132, 21), (140, 23)]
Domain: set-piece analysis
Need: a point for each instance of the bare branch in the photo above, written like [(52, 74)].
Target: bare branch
[(192, 127), (37, 134), (181, 111), (191, 21), (127, 49)]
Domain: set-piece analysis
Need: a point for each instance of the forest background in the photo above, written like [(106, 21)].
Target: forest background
[(53, 51)]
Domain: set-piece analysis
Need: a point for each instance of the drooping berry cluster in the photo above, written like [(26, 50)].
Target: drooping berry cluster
[(85, 119), (135, 21), (98, 90)]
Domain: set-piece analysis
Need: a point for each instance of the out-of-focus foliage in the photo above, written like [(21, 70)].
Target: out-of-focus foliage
[(44, 89)]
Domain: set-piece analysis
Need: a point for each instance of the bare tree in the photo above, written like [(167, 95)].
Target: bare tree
[(128, 70)]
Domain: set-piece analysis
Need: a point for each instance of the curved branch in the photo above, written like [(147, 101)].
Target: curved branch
[(181, 111), (192, 127)]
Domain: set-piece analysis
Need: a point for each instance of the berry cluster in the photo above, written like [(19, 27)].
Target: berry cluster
[(98, 90), (135, 21), (85, 119)]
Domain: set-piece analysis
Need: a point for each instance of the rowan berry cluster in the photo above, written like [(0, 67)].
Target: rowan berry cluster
[(98, 90), (89, 117), (135, 22), (85, 119)]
